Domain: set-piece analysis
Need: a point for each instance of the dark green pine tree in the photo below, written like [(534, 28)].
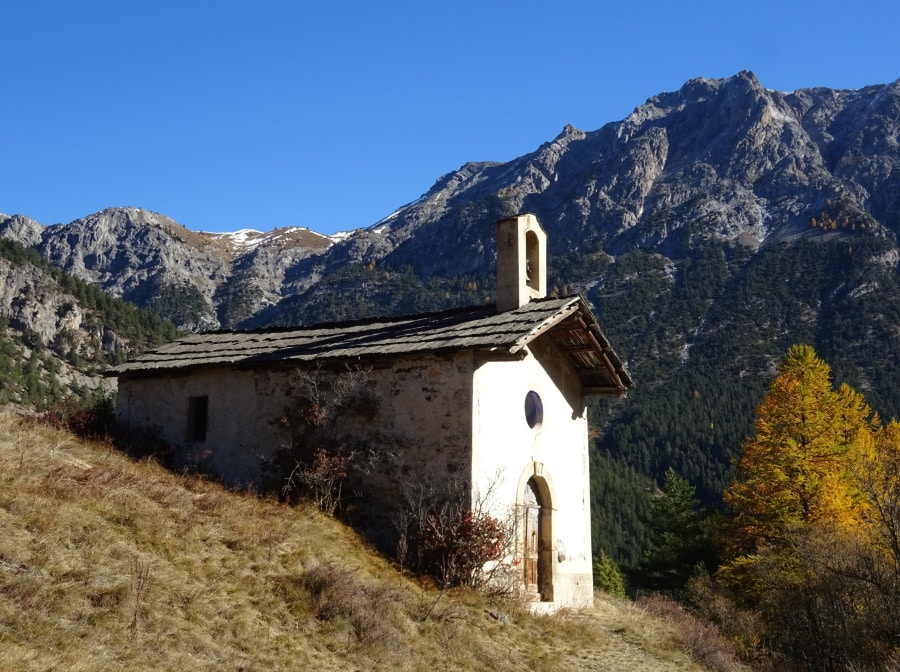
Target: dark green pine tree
[(679, 545)]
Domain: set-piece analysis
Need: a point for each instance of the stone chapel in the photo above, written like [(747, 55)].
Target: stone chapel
[(494, 394)]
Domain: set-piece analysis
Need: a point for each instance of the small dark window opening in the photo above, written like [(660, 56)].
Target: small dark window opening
[(198, 417), (534, 409)]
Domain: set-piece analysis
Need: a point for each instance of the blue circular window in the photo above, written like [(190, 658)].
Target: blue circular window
[(534, 409)]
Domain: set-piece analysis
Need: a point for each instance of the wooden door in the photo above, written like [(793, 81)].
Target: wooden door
[(532, 548), (532, 554)]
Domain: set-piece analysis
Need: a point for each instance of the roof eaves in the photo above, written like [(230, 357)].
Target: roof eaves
[(545, 325)]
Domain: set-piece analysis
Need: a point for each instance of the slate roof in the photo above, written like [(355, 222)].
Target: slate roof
[(568, 320)]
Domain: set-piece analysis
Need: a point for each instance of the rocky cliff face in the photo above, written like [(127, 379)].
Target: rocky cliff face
[(43, 330), (719, 161), (33, 302)]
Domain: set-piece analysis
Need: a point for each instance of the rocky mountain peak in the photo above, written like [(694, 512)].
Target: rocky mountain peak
[(21, 228)]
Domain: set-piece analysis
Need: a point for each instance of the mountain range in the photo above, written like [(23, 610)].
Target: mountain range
[(711, 229)]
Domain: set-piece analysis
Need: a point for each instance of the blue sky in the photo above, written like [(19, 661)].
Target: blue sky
[(227, 115)]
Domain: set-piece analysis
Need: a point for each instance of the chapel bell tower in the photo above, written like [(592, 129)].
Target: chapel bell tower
[(521, 261)]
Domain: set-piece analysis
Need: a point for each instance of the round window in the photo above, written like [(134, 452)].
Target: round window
[(534, 409)]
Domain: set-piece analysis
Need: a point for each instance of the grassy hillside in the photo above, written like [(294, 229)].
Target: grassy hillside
[(108, 564)]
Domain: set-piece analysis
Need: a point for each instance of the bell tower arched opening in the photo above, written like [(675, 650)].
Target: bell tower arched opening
[(533, 267)]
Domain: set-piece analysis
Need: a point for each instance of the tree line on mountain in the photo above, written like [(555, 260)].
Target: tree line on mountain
[(28, 379), (359, 291)]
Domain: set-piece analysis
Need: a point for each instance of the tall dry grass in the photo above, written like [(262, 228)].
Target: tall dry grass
[(109, 564)]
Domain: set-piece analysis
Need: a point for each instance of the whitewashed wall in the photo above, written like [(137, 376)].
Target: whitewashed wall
[(507, 452)]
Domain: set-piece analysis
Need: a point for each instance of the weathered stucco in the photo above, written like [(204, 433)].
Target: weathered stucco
[(422, 418), (242, 406)]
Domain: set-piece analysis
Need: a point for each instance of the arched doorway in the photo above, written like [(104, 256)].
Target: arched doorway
[(537, 552)]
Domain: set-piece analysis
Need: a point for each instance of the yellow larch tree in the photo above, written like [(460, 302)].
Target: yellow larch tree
[(877, 476), (796, 469), (811, 546)]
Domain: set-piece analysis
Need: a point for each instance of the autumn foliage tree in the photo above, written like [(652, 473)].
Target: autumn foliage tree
[(796, 470), (878, 478), (811, 540)]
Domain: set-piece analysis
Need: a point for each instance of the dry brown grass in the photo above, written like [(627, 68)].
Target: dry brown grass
[(107, 564)]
